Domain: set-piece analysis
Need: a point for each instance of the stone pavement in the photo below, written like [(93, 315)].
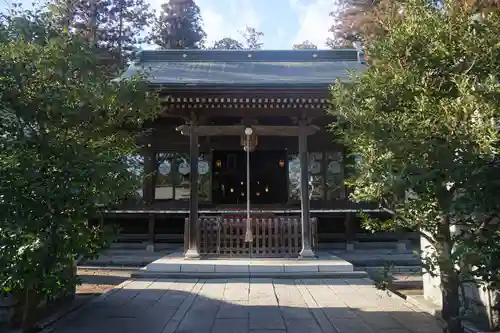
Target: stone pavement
[(246, 305)]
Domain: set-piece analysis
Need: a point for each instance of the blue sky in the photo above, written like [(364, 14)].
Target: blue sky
[(284, 22)]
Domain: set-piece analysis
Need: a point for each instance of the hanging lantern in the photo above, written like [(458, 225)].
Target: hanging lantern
[(281, 163), (218, 163)]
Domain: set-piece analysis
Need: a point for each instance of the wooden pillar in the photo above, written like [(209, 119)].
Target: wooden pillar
[(150, 247), (193, 246), (306, 251), (149, 187), (148, 191), (350, 232)]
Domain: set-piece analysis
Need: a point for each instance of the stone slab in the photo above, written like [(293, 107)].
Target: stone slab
[(231, 268), (261, 268), (301, 268), (277, 275), (197, 268), (239, 325)]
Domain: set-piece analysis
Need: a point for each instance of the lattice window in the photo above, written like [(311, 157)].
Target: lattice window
[(315, 179), (173, 176), (334, 176)]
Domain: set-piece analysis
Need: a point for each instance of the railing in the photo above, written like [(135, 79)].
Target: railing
[(272, 236)]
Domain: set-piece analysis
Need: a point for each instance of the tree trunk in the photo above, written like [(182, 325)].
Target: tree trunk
[(494, 297), (120, 38), (92, 24), (29, 311), (451, 302), (450, 287)]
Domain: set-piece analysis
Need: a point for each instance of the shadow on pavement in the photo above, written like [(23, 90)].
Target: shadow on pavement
[(243, 306)]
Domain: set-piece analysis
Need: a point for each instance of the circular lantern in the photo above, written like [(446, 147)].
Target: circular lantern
[(184, 168), (164, 168), (203, 167), (315, 167)]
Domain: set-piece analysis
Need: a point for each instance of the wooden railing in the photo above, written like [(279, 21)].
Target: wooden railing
[(272, 236)]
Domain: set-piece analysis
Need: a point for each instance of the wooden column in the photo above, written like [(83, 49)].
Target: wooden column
[(148, 190), (193, 246), (306, 251), (150, 247), (350, 232)]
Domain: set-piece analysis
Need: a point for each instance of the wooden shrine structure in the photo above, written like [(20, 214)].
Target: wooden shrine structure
[(216, 104)]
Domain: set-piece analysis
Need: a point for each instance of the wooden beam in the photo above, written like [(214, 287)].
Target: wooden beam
[(260, 130), (170, 112)]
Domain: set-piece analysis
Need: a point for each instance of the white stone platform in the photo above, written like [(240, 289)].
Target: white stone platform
[(174, 265)]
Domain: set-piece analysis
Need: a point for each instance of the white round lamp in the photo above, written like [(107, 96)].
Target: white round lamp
[(248, 131)]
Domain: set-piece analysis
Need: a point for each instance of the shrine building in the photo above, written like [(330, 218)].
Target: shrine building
[(251, 128)]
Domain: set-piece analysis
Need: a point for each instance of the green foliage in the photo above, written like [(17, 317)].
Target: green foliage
[(179, 26), (384, 281), (424, 118), (305, 45), (227, 44), (252, 38), (62, 148)]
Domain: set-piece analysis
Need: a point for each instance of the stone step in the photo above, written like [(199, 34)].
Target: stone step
[(275, 275), (403, 269), (323, 264)]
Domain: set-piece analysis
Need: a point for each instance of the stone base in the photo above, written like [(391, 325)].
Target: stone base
[(323, 264), (190, 254), (150, 247), (401, 246), (306, 254)]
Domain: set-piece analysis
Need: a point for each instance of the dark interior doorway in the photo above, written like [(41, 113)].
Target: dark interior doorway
[(268, 177)]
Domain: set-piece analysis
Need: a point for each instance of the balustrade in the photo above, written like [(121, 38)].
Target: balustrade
[(272, 236)]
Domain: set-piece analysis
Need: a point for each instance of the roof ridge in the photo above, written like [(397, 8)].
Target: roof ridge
[(176, 55)]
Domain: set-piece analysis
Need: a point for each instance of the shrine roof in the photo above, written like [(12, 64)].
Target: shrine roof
[(246, 68)]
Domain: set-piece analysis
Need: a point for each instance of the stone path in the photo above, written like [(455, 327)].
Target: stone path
[(244, 306)]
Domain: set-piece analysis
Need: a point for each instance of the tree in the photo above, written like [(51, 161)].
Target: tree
[(113, 25), (424, 118), (65, 130), (179, 26), (120, 31), (360, 20), (227, 44), (252, 38), (305, 45), (365, 20)]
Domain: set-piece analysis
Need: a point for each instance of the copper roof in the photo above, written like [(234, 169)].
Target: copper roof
[(246, 68)]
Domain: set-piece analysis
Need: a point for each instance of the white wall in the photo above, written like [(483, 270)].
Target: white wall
[(432, 290)]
